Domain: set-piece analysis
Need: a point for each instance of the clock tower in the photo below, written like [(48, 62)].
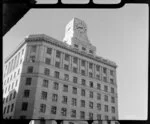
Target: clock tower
[(76, 35)]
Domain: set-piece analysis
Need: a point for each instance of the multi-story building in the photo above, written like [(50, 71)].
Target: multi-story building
[(49, 79)]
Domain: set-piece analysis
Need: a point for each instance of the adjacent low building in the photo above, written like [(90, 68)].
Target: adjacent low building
[(49, 79)]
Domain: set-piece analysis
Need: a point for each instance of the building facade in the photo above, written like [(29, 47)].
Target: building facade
[(49, 79)]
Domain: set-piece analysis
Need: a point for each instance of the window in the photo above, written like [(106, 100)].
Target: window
[(90, 65), (104, 70), (112, 99), (4, 110), (91, 116), (113, 109), (56, 75), (28, 81), (47, 61), (106, 88), (91, 94), (57, 64), (82, 103), (64, 111), (66, 67), (24, 106), (98, 96), (64, 99), (83, 72), (12, 107), (56, 86), (73, 113), (111, 72), (76, 46), (74, 101), (98, 106), (49, 51), (26, 93), (58, 53), (97, 67), (54, 97), (53, 109), (43, 95), (32, 59), (82, 92), (65, 88), (30, 69), (91, 84), (90, 51), (114, 118), (66, 77), (75, 60), (82, 62), (98, 86), (33, 49), (106, 117), (83, 82), (8, 108), (106, 98), (75, 79), (99, 117), (90, 74), (105, 79), (112, 90), (98, 76), (66, 57), (10, 97), (91, 105), (112, 81), (74, 69), (14, 95), (45, 83), (74, 90), (82, 114), (42, 108), (106, 108), (47, 71)]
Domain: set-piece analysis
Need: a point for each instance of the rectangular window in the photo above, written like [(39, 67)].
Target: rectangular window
[(32, 59), (28, 81), (111, 72), (82, 92), (106, 88), (98, 96), (98, 106), (98, 76), (12, 107), (83, 82), (106, 117), (47, 61), (26, 93), (90, 74), (113, 109), (105, 79), (91, 94), (73, 113), (91, 84), (10, 97), (99, 118), (91, 105), (74, 101), (65, 88), (90, 51), (104, 70), (49, 51), (43, 108), (82, 62), (4, 110), (83, 48), (66, 67), (90, 65), (75, 79), (14, 95), (44, 95), (112, 90), (24, 106), (98, 86), (83, 72), (106, 108), (54, 97), (30, 69), (8, 108), (112, 99), (64, 111), (74, 90), (58, 54), (75, 60), (57, 64), (47, 71), (66, 77), (82, 114), (112, 81), (90, 116), (74, 69), (64, 99), (56, 75), (33, 49), (45, 83), (106, 98), (82, 103), (53, 109), (97, 67), (56, 86), (66, 57)]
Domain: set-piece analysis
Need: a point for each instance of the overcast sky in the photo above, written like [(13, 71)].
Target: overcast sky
[(120, 35)]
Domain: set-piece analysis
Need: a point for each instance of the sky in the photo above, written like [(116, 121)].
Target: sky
[(120, 35)]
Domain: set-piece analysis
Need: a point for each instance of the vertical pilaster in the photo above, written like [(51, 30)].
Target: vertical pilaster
[(53, 56)]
